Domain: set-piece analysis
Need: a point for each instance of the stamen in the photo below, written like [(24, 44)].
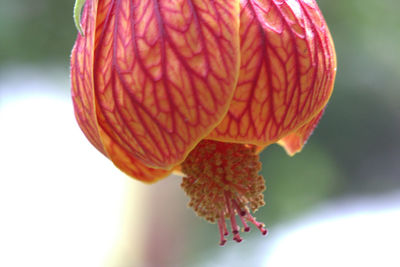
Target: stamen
[(222, 231), (238, 209), (259, 225), (246, 226), (222, 182), (235, 227)]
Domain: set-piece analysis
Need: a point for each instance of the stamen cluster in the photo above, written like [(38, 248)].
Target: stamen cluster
[(222, 181)]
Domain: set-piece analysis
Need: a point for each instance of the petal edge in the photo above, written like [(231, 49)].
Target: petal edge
[(293, 143), (165, 72)]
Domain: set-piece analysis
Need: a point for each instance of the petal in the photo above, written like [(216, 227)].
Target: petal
[(164, 73), (287, 71), (130, 165), (82, 78), (84, 105), (294, 142)]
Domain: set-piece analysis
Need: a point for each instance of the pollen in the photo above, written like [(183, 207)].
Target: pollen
[(223, 183)]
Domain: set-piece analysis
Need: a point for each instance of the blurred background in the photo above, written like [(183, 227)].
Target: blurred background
[(63, 204)]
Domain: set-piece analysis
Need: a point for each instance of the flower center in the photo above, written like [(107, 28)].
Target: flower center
[(222, 181)]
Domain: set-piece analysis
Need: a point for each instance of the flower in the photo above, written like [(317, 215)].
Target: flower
[(201, 87)]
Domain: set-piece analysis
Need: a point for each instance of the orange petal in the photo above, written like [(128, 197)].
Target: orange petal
[(164, 73), (82, 78), (83, 99), (287, 71), (130, 165), (294, 142)]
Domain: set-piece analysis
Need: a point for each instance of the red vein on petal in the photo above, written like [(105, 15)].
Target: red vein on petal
[(132, 98), (292, 63), (297, 66), (107, 125), (152, 153), (81, 79), (326, 43), (84, 104)]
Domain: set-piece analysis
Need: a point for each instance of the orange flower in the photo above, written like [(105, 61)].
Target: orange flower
[(201, 87)]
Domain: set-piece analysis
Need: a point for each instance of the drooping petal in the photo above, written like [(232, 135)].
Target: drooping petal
[(164, 73), (82, 78), (287, 71), (84, 105), (294, 142), (130, 165)]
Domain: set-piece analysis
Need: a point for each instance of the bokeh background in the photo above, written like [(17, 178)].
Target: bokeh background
[(62, 204)]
